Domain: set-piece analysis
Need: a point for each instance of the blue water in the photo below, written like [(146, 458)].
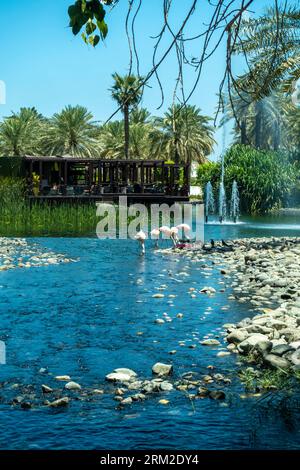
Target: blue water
[(82, 319)]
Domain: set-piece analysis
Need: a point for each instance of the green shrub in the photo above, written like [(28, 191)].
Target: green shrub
[(265, 178)]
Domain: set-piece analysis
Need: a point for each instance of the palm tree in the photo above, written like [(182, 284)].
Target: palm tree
[(269, 123), (183, 133), (271, 44), (140, 130), (261, 104), (112, 140), (20, 133), (72, 132), (127, 92)]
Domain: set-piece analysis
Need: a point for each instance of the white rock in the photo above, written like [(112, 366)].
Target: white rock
[(162, 369), (124, 370), (118, 377), (72, 386), (60, 402)]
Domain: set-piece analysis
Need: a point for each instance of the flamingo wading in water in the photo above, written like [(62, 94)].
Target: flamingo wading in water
[(141, 237), (155, 235), (185, 228)]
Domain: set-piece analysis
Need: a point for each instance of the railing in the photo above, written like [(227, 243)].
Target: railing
[(99, 190)]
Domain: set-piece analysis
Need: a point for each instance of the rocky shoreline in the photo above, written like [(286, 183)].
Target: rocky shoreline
[(16, 253), (266, 274)]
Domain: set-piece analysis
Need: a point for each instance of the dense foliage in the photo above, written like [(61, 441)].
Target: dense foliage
[(265, 178), (74, 132)]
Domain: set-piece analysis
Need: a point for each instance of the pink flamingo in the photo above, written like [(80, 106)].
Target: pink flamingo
[(155, 234), (185, 227), (141, 237), (169, 232)]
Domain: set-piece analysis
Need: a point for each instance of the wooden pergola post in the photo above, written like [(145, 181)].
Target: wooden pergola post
[(66, 173), (41, 169), (142, 176)]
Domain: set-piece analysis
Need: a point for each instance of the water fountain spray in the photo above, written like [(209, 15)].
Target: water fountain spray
[(235, 202), (222, 192), (209, 201)]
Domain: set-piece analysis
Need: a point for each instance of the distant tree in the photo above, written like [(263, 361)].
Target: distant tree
[(271, 122), (140, 129), (183, 134), (127, 92), (72, 132), (21, 133)]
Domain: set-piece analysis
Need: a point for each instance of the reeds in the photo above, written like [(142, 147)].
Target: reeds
[(19, 218)]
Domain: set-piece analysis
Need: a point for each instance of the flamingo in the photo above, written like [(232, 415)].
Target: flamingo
[(165, 230), (155, 234), (141, 237), (186, 228), (174, 235)]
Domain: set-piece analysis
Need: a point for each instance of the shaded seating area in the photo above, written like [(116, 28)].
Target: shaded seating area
[(69, 177)]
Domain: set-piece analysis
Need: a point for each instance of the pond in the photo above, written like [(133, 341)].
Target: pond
[(87, 318)]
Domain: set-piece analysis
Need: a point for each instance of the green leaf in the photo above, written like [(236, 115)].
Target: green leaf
[(76, 28), (90, 27), (103, 28), (84, 37), (98, 10), (94, 40)]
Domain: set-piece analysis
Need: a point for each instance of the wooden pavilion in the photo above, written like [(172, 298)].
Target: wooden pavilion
[(76, 179)]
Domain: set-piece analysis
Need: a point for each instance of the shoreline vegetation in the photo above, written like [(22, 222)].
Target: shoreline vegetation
[(19, 218)]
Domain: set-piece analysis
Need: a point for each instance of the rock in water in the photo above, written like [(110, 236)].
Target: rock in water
[(46, 389), (217, 395), (248, 344), (72, 386), (163, 402), (121, 375), (210, 342), (162, 369), (223, 354), (118, 377), (166, 386), (60, 402), (237, 336), (126, 371), (26, 405), (63, 378), (127, 401)]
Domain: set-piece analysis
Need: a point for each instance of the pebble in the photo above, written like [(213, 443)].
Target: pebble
[(72, 386), (162, 369), (210, 342), (163, 402), (46, 389), (63, 378), (60, 402)]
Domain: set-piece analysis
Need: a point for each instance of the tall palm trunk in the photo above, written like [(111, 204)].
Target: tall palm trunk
[(276, 136), (126, 130), (176, 156), (243, 132), (258, 124)]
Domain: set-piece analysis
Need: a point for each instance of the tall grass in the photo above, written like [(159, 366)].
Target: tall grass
[(20, 218)]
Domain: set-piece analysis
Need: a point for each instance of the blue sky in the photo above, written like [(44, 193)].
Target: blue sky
[(44, 65)]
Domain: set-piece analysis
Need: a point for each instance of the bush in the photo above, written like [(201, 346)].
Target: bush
[(265, 178)]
